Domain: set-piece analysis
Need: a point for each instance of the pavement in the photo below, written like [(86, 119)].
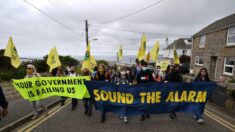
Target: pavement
[(62, 119), (20, 108)]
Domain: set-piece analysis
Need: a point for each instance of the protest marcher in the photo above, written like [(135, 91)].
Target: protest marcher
[(94, 72), (88, 104), (174, 76), (3, 104), (157, 74), (167, 72), (114, 72), (130, 76), (101, 76), (122, 79), (67, 70), (30, 73), (144, 76), (58, 72), (109, 74), (201, 77), (73, 73)]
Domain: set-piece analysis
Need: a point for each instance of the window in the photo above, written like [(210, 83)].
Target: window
[(231, 36), (184, 52), (202, 41), (229, 65), (199, 60)]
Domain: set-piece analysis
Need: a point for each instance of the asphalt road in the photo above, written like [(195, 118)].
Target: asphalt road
[(20, 108), (65, 120)]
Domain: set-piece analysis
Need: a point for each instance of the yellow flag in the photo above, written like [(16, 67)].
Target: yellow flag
[(93, 62), (148, 57), (120, 53), (176, 57), (154, 52), (163, 64), (87, 59), (53, 59), (142, 49), (11, 52)]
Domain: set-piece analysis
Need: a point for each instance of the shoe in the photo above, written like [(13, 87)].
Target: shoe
[(102, 119), (62, 103), (73, 108), (121, 117), (200, 121), (172, 116), (194, 116), (142, 118), (35, 116), (147, 116), (89, 113), (125, 119), (86, 112)]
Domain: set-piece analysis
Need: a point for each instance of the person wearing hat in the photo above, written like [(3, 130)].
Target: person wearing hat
[(30, 73)]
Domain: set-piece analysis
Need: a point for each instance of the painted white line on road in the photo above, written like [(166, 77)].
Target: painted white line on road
[(211, 109), (46, 118), (221, 121), (50, 113)]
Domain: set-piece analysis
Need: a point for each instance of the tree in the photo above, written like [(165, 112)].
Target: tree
[(8, 72), (5, 61), (41, 66), (102, 62)]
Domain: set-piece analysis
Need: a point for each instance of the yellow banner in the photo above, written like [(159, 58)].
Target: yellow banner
[(42, 87)]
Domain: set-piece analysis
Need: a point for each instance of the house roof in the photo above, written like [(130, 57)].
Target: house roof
[(180, 44), (221, 24)]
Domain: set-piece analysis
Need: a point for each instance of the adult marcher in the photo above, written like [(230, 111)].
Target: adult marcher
[(202, 76), (144, 76), (174, 76), (30, 73), (58, 72), (73, 73), (167, 72), (157, 74), (88, 103), (101, 76)]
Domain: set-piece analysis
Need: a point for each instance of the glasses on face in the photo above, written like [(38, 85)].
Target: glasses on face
[(28, 68)]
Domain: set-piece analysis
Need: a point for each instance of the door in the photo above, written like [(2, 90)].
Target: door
[(213, 68)]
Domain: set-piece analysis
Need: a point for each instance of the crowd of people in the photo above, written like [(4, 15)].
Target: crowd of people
[(118, 74), (139, 73)]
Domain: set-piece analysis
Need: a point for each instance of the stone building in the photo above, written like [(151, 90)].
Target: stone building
[(214, 48)]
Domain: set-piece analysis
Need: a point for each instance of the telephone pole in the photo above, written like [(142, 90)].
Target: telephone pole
[(86, 32)]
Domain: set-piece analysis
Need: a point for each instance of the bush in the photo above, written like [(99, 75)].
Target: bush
[(7, 75), (232, 80), (102, 62), (231, 94)]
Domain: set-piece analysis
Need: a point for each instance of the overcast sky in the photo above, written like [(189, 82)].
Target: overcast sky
[(34, 33)]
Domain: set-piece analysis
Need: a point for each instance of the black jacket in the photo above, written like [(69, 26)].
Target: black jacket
[(99, 77), (173, 77), (3, 101), (198, 79), (144, 76)]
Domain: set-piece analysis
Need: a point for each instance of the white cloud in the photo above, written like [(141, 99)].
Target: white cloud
[(34, 33)]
